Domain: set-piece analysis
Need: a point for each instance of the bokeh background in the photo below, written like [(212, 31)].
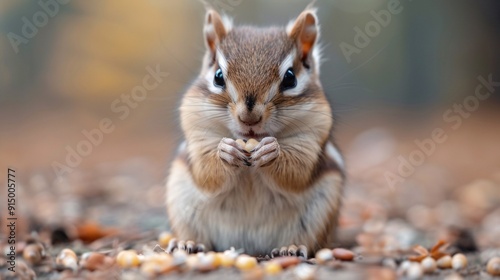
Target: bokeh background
[(89, 53)]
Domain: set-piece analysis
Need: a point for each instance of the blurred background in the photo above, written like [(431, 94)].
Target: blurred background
[(65, 66)]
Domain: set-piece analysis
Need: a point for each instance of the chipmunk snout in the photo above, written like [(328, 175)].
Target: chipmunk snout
[(250, 119), (249, 112)]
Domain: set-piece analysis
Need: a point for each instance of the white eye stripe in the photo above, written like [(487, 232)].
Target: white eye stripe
[(221, 60), (272, 91), (231, 90), (287, 63)]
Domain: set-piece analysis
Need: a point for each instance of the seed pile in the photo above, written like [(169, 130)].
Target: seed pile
[(156, 262)]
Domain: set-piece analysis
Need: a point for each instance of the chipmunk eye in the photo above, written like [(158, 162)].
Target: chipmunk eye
[(289, 80), (219, 78)]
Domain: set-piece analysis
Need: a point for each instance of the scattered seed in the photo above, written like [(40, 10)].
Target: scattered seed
[(343, 254), (459, 261), (151, 269), (245, 262), (493, 266), (324, 255), (272, 268), (128, 259), (208, 262), (305, 271), (444, 262), (33, 253), (429, 265), (226, 260), (404, 266), (180, 257), (96, 261), (414, 271), (164, 238), (68, 259), (287, 261), (156, 264)]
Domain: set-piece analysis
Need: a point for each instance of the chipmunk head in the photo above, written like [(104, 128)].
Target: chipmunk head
[(264, 77)]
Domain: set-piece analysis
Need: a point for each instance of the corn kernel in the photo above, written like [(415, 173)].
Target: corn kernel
[(164, 238), (128, 259), (245, 262), (272, 268)]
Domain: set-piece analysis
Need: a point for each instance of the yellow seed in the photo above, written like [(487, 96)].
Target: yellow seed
[(459, 261), (428, 265), (251, 144), (128, 259), (217, 259), (324, 255), (272, 268), (241, 143), (444, 262), (156, 264), (164, 238), (493, 266), (151, 269), (160, 258), (245, 262), (225, 260)]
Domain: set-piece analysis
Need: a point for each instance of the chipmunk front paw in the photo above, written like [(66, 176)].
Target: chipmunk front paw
[(265, 152), (232, 153), (292, 250), (189, 246)]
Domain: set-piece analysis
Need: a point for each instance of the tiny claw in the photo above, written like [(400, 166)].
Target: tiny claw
[(275, 253)]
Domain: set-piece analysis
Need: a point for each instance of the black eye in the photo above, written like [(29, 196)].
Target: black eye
[(289, 80), (219, 79)]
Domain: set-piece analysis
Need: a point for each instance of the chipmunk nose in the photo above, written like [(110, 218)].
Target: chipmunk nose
[(250, 102), (250, 119)]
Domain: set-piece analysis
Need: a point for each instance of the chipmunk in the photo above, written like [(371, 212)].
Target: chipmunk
[(260, 83)]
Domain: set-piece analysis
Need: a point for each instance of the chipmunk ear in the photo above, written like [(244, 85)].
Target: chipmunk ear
[(214, 30), (304, 30)]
